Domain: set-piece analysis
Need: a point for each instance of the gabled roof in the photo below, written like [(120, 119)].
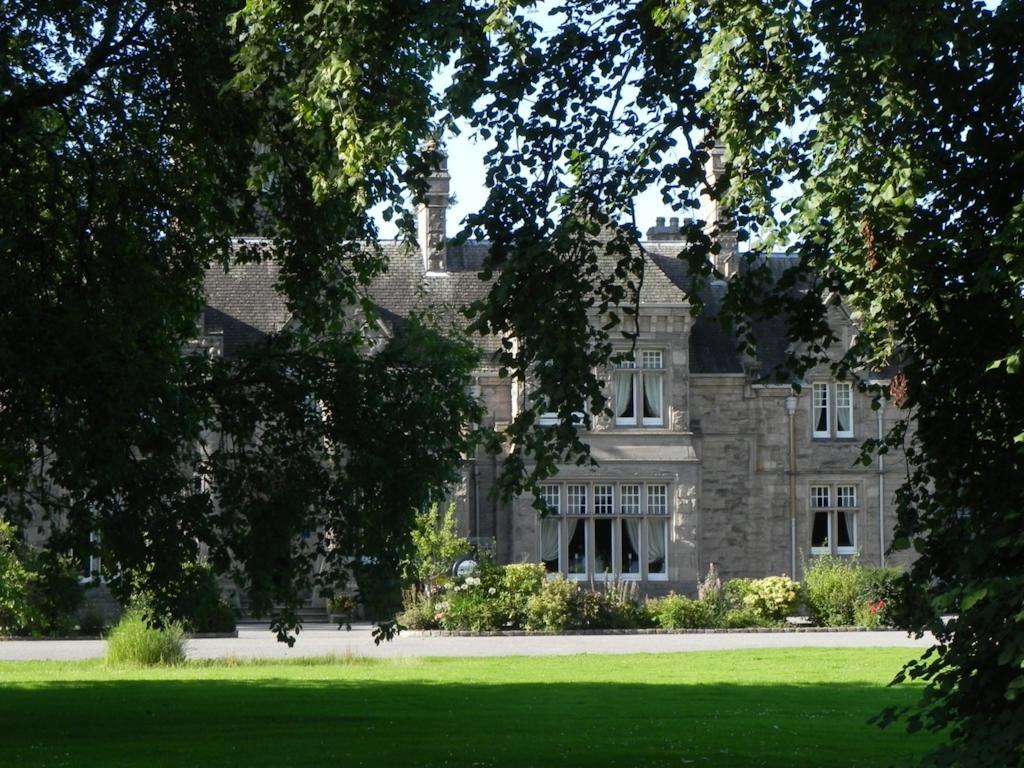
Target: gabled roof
[(244, 303)]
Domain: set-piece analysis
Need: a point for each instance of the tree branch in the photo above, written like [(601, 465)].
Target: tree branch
[(108, 46)]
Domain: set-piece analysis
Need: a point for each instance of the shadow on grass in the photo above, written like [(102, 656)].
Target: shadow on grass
[(273, 723)]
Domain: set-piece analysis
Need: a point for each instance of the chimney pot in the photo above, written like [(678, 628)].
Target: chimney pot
[(659, 221)]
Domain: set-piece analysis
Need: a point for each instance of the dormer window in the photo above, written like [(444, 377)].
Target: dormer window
[(832, 409), (639, 389)]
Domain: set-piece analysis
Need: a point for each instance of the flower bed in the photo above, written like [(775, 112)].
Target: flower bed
[(524, 598)]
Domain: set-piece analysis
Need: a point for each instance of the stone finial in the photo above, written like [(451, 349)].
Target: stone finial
[(432, 212)]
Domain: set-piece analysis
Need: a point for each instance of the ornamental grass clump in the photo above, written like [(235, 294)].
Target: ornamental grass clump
[(136, 641)]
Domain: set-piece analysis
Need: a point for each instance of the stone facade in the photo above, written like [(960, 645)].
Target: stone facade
[(722, 466)]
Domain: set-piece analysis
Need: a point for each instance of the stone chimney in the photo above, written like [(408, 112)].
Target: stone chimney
[(661, 231), (716, 223), (432, 212)]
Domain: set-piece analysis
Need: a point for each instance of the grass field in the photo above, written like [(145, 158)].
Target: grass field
[(792, 708)]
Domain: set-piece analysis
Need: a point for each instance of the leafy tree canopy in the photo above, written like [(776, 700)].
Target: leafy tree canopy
[(128, 162), (879, 142)]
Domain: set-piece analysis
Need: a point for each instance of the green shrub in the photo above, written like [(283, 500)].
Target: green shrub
[(735, 592), (745, 618), (436, 546), (881, 596), (91, 623), (832, 588), (625, 609), (57, 593), (773, 598), (16, 610), (135, 641), (197, 601), (556, 607), (677, 612), (419, 610), (472, 611), (594, 610), (519, 582)]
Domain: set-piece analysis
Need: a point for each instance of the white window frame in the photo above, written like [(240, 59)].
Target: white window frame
[(844, 391), (575, 503), (821, 408), (93, 564), (830, 400), (550, 419), (638, 369), (833, 499)]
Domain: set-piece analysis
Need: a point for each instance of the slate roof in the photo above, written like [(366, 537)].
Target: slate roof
[(712, 349), (244, 304)]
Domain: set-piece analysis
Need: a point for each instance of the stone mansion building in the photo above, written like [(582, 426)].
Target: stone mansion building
[(705, 459)]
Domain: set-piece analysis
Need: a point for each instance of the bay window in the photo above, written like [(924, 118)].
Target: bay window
[(609, 530)]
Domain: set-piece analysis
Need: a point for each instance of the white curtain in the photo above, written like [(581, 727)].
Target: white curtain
[(656, 529), (845, 536), (549, 539), (624, 394), (652, 396), (844, 408)]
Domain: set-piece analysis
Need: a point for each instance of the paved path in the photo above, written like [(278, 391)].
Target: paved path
[(319, 640)]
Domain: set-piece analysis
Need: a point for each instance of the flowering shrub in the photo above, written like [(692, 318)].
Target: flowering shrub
[(735, 592), (468, 608), (711, 593), (556, 607), (880, 593), (842, 593), (871, 613), (519, 582), (772, 598)]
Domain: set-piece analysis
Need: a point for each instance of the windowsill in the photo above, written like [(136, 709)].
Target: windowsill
[(634, 428), (833, 439), (838, 553)]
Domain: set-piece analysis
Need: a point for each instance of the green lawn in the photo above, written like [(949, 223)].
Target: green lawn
[(794, 707)]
